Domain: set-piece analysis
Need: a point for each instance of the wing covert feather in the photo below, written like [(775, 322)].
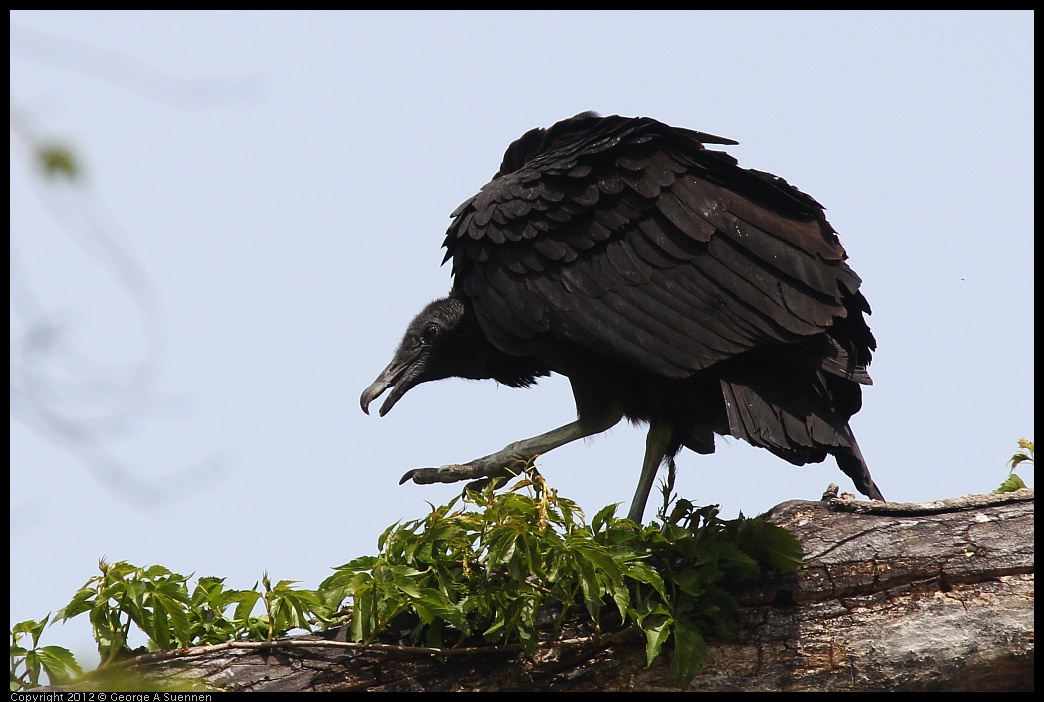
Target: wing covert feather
[(630, 239)]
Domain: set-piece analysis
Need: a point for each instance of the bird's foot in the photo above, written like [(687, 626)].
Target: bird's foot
[(444, 474), (481, 470)]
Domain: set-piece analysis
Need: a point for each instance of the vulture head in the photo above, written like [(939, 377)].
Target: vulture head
[(431, 349)]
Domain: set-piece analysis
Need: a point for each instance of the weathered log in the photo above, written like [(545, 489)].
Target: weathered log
[(894, 596)]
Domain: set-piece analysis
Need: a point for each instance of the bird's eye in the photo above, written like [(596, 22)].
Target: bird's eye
[(428, 333)]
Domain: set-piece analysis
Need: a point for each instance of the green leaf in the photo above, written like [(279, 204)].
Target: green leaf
[(690, 653), (781, 549), (768, 543), (405, 579), (735, 561), (692, 582), (1012, 484), (622, 599), (159, 630), (59, 664), (1026, 454), (82, 601), (657, 628), (364, 614), (645, 574), (245, 601), (601, 560), (31, 627), (434, 607), (58, 161)]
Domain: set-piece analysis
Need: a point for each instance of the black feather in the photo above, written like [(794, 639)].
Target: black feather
[(668, 283)]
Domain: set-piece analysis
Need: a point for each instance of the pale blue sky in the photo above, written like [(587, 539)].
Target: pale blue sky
[(280, 184)]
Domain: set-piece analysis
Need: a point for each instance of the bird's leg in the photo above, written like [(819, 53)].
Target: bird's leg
[(513, 458), (656, 446)]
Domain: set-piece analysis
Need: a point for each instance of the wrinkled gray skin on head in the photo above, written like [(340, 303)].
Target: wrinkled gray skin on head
[(429, 350), (445, 341)]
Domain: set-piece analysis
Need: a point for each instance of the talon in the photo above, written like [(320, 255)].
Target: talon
[(454, 473), (427, 476), (421, 476)]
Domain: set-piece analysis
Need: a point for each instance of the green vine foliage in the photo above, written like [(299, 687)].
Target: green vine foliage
[(1023, 455), (159, 604), (488, 568), (527, 555), (28, 662)]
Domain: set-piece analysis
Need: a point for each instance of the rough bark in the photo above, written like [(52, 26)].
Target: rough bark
[(935, 596)]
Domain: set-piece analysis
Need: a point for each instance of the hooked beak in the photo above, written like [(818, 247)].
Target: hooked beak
[(396, 376)]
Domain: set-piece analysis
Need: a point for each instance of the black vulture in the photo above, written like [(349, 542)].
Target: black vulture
[(670, 285)]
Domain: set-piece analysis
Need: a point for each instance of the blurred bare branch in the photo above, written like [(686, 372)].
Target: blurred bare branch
[(119, 69), (57, 390)]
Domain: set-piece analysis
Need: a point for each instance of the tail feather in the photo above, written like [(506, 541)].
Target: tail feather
[(794, 412), (851, 461)]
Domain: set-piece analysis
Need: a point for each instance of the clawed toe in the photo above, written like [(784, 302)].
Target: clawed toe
[(444, 474), (484, 471), (426, 476)]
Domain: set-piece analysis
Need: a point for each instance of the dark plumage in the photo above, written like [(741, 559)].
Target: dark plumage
[(671, 287)]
